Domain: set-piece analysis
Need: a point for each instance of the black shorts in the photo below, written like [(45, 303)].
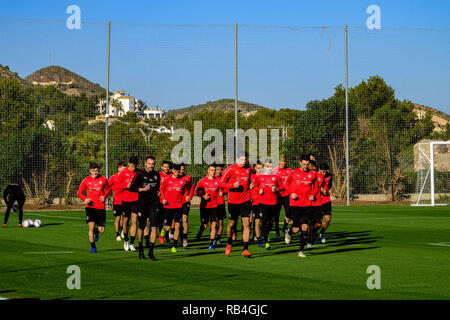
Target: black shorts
[(221, 212), (172, 215), (316, 216), (208, 214), (300, 215), (129, 207), (239, 209), (185, 208), (98, 216), (326, 209), (117, 209), (150, 211), (268, 212), (256, 212), (283, 201)]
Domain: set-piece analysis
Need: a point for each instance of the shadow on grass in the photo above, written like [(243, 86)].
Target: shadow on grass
[(51, 224), (334, 241)]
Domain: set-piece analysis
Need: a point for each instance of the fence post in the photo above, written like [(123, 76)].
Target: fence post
[(107, 103), (346, 118)]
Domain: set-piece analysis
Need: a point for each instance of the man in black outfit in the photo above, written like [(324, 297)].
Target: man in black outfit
[(13, 193), (147, 183)]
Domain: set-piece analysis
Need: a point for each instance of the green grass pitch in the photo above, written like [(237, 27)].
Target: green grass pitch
[(411, 245)]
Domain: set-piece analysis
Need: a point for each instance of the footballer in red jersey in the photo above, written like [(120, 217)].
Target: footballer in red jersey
[(301, 185), (165, 172), (130, 206), (172, 190), (97, 190), (269, 185), (326, 201), (221, 211), (187, 197), (117, 199), (256, 212), (316, 215), (236, 179), (283, 199), (208, 189)]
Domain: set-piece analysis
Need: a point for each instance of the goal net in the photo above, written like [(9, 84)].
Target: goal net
[(432, 164)]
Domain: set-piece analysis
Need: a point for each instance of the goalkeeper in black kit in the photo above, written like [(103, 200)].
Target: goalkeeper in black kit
[(13, 193), (147, 183)]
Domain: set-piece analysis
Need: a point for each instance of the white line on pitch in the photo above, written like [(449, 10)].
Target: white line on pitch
[(3, 298), (49, 252), (441, 244)]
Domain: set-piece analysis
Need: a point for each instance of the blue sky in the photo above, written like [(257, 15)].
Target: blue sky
[(175, 66)]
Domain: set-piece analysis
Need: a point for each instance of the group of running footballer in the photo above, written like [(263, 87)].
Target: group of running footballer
[(158, 203)]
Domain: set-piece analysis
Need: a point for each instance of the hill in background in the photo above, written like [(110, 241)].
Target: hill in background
[(66, 81), (225, 105), (5, 73)]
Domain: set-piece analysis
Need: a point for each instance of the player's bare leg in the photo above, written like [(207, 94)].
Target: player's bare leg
[(230, 229), (133, 230), (91, 226), (212, 237), (172, 230), (176, 235), (153, 234), (117, 224), (303, 238), (147, 233), (325, 223), (185, 221), (219, 232), (125, 227), (143, 224), (246, 235)]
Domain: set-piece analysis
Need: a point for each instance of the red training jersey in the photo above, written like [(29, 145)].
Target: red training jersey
[(126, 176), (328, 182), (318, 193), (265, 182), (236, 173), (189, 191), (221, 199), (283, 173), (172, 190), (163, 176), (95, 188), (114, 185), (303, 184), (210, 186), (254, 193)]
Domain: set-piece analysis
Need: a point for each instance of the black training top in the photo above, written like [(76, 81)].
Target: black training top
[(14, 191), (142, 179)]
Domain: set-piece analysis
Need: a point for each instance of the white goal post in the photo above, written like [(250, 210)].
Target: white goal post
[(431, 157)]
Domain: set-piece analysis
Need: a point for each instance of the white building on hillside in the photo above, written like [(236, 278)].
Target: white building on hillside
[(153, 113), (120, 104)]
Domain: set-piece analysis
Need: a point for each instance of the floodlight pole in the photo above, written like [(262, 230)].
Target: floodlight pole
[(107, 102), (346, 119), (236, 90)]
